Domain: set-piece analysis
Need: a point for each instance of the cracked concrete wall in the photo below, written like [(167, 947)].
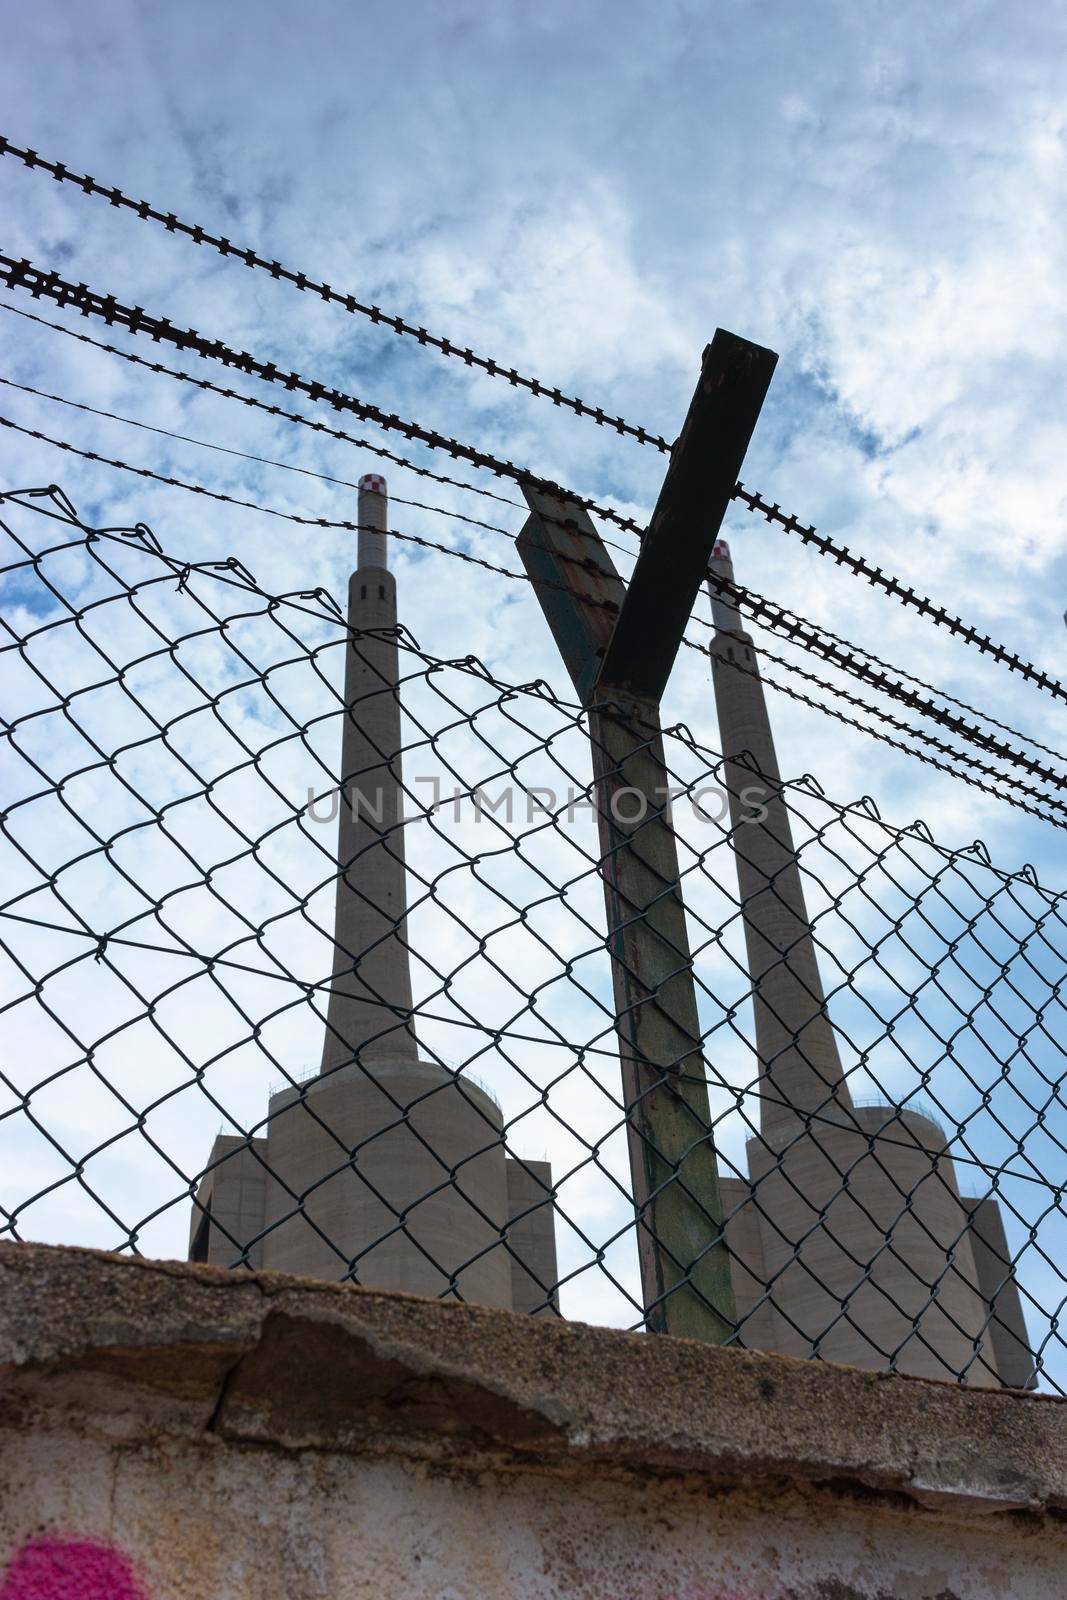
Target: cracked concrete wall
[(179, 1431)]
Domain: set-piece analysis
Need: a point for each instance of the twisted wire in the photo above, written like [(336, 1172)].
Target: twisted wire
[(895, 587), (760, 606), (1010, 796), (818, 641), (206, 385), (20, 273), (822, 640), (300, 280)]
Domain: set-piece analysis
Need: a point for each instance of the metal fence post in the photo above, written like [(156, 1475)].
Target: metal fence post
[(618, 645)]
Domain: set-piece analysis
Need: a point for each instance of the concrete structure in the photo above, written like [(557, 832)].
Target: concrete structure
[(385, 1164), (850, 1238), (173, 1432)]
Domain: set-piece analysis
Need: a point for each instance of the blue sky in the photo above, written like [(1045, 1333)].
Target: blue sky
[(874, 191)]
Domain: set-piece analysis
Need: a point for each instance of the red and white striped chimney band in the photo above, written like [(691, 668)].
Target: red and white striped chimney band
[(720, 551), (372, 482)]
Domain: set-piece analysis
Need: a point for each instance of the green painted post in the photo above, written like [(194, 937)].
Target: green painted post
[(618, 645)]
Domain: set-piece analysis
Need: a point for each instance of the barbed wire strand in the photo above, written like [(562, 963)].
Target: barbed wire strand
[(799, 631), (794, 621), (890, 585), (21, 274), (893, 722), (756, 502), (848, 645), (809, 637), (253, 401), (263, 461), (796, 628), (348, 302), (354, 527)]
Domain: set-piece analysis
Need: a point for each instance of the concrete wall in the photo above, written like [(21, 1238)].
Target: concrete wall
[(180, 1433)]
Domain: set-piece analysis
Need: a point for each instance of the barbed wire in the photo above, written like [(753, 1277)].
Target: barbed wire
[(263, 461), (22, 274), (891, 585), (812, 638), (300, 280), (848, 645), (822, 639), (206, 385), (798, 630), (767, 616), (340, 523), (1010, 797), (861, 568), (762, 608), (185, 438), (760, 605), (801, 633)]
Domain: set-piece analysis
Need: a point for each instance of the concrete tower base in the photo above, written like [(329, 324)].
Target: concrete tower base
[(400, 1175), (855, 1245), (426, 1178)]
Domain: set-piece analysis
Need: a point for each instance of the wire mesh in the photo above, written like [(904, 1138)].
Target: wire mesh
[(171, 799)]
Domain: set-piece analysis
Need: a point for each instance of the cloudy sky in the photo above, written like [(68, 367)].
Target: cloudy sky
[(876, 192)]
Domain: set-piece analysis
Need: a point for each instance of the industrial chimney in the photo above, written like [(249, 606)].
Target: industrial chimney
[(384, 1168), (850, 1239)]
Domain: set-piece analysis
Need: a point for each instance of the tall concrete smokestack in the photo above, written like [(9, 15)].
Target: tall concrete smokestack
[(384, 1166), (369, 1007), (799, 1063), (849, 1237)]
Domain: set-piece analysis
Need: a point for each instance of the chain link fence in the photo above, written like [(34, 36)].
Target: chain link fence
[(172, 968)]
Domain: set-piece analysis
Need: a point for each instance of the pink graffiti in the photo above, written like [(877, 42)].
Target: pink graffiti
[(51, 1569)]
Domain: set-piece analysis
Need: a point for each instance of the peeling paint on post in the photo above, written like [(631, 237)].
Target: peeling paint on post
[(685, 1271)]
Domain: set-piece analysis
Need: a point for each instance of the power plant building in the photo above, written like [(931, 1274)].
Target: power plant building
[(848, 1236), (385, 1164), (849, 1239)]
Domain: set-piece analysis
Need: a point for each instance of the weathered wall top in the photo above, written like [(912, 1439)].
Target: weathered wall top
[(142, 1347)]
